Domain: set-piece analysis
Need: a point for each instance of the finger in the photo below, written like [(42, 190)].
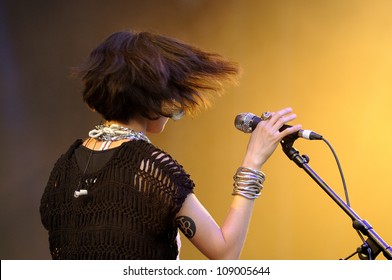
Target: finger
[(290, 130), (284, 111), (281, 117), (276, 115), (278, 119), (284, 119)]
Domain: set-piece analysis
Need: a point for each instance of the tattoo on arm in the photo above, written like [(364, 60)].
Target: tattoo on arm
[(186, 225)]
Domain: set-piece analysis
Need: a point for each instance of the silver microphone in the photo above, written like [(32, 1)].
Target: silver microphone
[(247, 122)]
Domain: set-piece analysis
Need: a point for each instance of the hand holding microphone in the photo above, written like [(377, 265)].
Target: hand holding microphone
[(268, 131), (247, 122)]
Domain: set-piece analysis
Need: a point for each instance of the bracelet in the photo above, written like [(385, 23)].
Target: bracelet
[(248, 182)]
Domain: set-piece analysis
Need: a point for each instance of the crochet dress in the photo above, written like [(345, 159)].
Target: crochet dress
[(129, 210)]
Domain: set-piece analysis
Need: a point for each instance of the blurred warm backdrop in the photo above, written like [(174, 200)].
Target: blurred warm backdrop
[(329, 60)]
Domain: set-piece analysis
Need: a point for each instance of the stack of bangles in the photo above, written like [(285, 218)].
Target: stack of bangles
[(248, 182)]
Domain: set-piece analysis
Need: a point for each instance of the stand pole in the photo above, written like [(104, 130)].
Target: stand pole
[(375, 243)]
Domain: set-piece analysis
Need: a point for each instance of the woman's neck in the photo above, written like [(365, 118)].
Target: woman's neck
[(136, 124)]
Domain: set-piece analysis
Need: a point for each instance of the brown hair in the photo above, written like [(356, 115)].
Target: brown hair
[(151, 75)]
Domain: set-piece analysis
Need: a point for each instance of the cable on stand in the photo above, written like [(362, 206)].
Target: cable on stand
[(374, 244)]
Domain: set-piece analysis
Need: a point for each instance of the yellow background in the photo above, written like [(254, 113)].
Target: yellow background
[(331, 61)]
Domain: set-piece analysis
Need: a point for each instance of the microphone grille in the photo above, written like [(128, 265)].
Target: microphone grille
[(243, 122)]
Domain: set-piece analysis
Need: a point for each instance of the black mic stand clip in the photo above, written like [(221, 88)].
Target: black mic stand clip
[(374, 244)]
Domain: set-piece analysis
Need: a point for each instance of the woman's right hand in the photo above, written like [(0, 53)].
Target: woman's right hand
[(266, 137)]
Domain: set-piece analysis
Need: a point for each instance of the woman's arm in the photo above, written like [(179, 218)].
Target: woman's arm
[(226, 242)]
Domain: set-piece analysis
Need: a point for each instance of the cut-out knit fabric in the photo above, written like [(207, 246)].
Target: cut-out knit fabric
[(128, 212)]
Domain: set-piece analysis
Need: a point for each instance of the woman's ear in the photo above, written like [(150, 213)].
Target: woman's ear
[(92, 109)]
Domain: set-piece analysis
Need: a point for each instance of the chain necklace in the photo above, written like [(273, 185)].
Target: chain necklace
[(115, 132), (106, 134)]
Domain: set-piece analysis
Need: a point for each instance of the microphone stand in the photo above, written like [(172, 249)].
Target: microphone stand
[(374, 244)]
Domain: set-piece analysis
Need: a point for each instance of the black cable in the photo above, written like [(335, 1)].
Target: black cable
[(344, 185), (340, 171)]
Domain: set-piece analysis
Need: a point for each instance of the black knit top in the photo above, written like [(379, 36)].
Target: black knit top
[(128, 212)]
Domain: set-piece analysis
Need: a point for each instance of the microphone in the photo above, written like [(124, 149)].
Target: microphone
[(247, 122)]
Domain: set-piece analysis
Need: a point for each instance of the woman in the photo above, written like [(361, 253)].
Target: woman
[(117, 196)]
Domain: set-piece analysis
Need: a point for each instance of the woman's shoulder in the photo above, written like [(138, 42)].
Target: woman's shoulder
[(153, 157), (145, 150), (67, 155)]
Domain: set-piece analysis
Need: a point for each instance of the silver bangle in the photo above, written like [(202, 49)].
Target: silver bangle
[(248, 182)]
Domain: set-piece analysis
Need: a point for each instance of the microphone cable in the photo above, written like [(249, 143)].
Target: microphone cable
[(345, 188), (340, 170)]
